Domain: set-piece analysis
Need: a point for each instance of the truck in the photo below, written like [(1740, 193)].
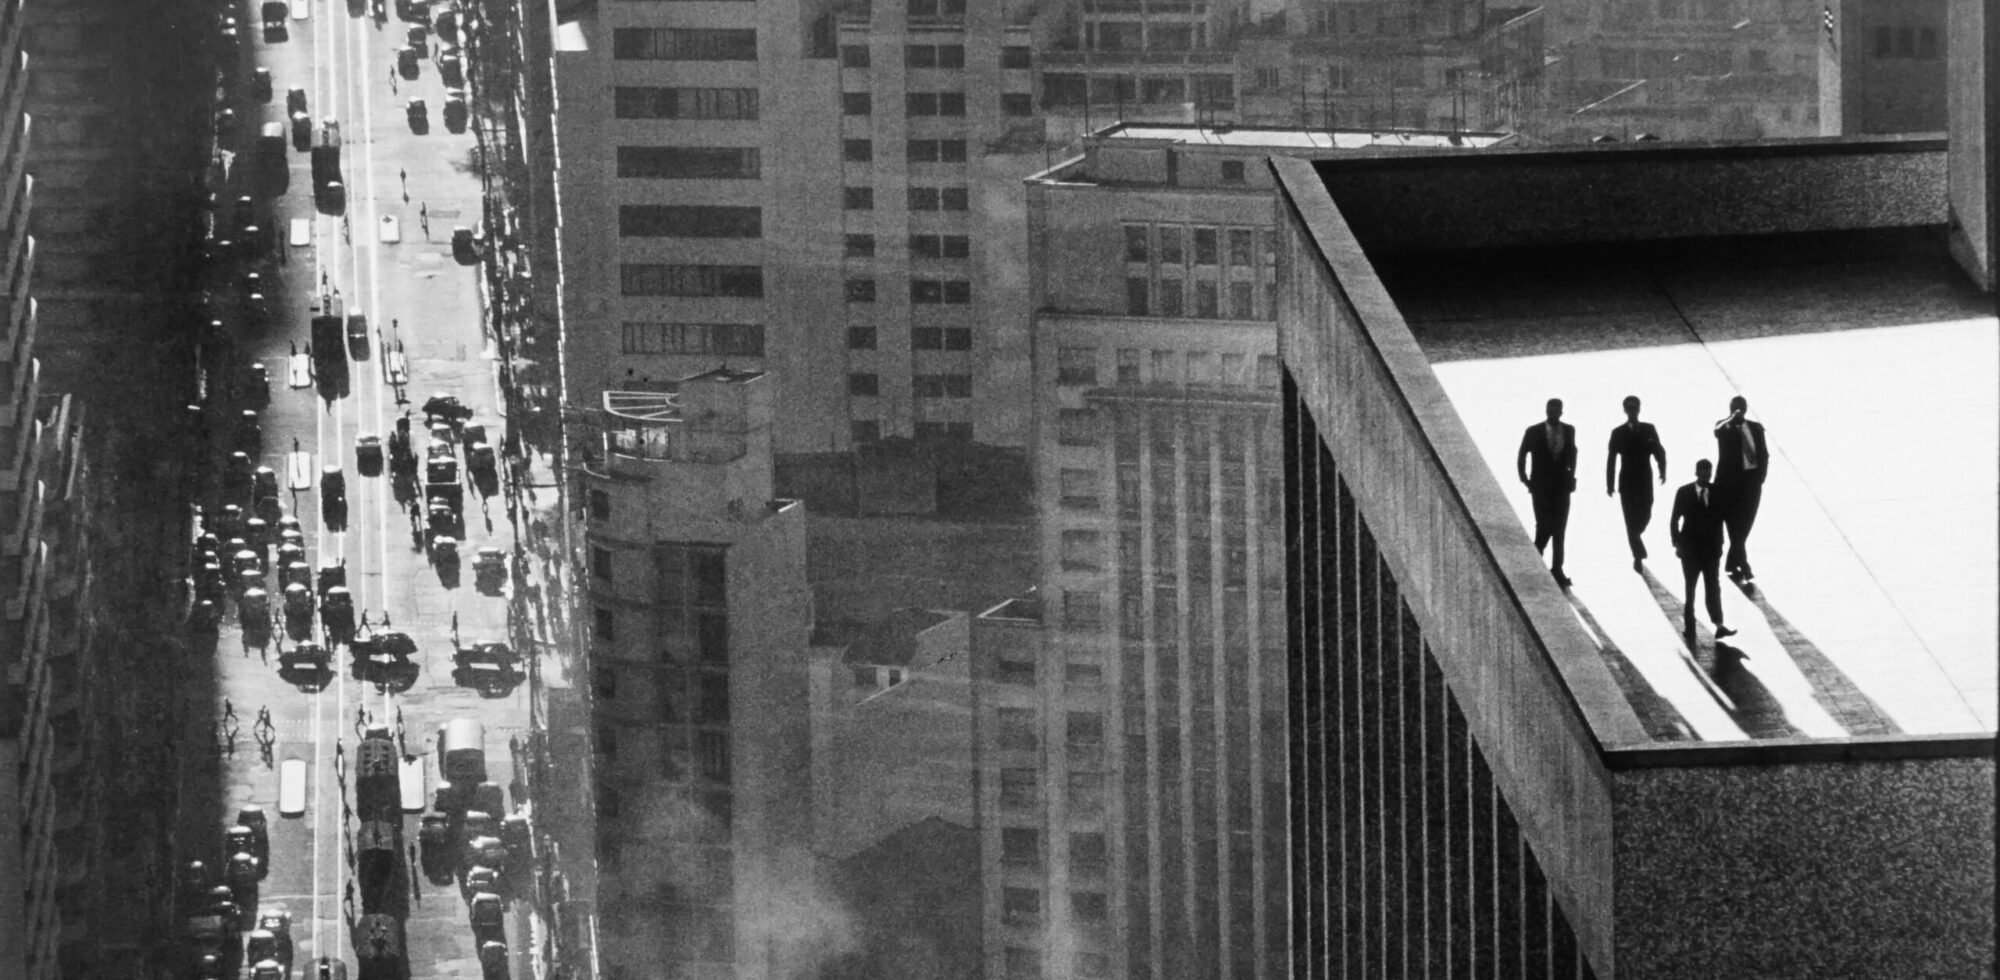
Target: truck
[(378, 861), (378, 945), (462, 751), (378, 786), (329, 346)]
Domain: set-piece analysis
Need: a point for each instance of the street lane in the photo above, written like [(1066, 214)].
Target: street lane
[(342, 62)]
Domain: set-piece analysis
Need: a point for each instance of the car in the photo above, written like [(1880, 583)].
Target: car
[(295, 100), (406, 62), (268, 970), (417, 36), (368, 450), (302, 131), (329, 131), (455, 113), (463, 247), (332, 486), (260, 85), (477, 823), (241, 840), (225, 123), (493, 961), (264, 946), (451, 68), (419, 115), (326, 968)]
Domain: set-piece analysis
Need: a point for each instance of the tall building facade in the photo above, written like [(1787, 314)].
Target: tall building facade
[(1882, 67), (699, 623)]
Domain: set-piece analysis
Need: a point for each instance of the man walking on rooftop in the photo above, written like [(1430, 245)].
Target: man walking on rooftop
[(1552, 446), (1742, 459), (1696, 529), (1637, 445)]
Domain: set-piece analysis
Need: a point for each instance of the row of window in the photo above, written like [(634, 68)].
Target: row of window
[(1022, 789), (1023, 846), (868, 430), (1017, 728), (690, 221), (914, 151), (1022, 673), (1203, 244), (921, 338), (937, 55), (1906, 42), (655, 102), (1026, 964), (1075, 89), (714, 339), (951, 292), (920, 198), (868, 385), (705, 755), (718, 281), (1023, 906), (684, 44), (1078, 366), (921, 246), (690, 162)]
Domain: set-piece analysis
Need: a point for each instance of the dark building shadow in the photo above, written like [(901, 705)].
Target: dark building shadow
[(1662, 721), (1832, 688)]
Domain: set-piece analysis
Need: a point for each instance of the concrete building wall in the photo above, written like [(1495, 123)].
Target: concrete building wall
[(1513, 198), (1785, 850), (1974, 109)]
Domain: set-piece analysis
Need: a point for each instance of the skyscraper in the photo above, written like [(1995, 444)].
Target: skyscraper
[(698, 618)]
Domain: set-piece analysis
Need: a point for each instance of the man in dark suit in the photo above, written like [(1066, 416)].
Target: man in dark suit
[(1696, 529), (1742, 459), (1637, 445), (1552, 446)]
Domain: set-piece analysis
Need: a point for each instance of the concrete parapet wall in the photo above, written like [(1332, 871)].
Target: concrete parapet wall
[(1458, 553), (1510, 198), (1855, 869)]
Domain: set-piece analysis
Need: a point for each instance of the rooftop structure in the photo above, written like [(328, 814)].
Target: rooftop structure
[(1464, 723)]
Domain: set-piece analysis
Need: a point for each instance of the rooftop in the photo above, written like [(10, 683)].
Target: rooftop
[(1872, 364), (1306, 139)]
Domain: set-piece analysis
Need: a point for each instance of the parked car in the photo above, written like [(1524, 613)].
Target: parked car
[(260, 84), (455, 114), (463, 248), (295, 101)]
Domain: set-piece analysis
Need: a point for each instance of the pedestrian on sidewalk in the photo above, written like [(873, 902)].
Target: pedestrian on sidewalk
[(228, 709)]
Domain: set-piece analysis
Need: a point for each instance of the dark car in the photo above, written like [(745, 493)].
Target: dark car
[(463, 247), (451, 68), (302, 131), (455, 112), (406, 63), (420, 116), (260, 84)]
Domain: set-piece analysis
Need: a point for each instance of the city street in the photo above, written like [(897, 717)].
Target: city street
[(386, 256)]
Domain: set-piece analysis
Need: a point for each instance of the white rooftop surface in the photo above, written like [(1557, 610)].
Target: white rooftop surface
[(1303, 138), (1875, 544)]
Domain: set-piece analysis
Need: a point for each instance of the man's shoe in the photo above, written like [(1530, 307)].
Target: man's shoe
[(1745, 573), (1562, 580), (1722, 631), (1638, 565)]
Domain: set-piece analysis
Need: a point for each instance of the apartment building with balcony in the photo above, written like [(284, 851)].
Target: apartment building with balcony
[(699, 621)]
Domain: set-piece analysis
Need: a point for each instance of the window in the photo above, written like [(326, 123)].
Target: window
[(1205, 302), (940, 246), (1090, 907), (604, 682), (1082, 550), (861, 290), (941, 385), (1266, 79), (936, 8), (1136, 243), (738, 281), (1078, 489), (712, 699), (1086, 792), (653, 102), (956, 292), (927, 338), (944, 431), (1076, 427), (856, 103), (1020, 788), (1020, 846), (1232, 171), (1083, 674), (600, 505), (936, 151), (711, 753), (934, 104), (954, 198), (865, 431), (1241, 243), (1243, 300), (1083, 609), (1017, 672), (689, 221), (1137, 290), (1086, 729), (1170, 300), (690, 162), (1014, 728), (854, 56), (1267, 371), (934, 55), (683, 44), (1088, 851), (1014, 56), (1927, 43), (1021, 906), (605, 624), (1128, 366), (1232, 371), (860, 246), (1017, 104), (857, 151), (1076, 365), (1023, 963), (860, 338), (857, 198), (862, 385), (726, 339), (1205, 250)]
